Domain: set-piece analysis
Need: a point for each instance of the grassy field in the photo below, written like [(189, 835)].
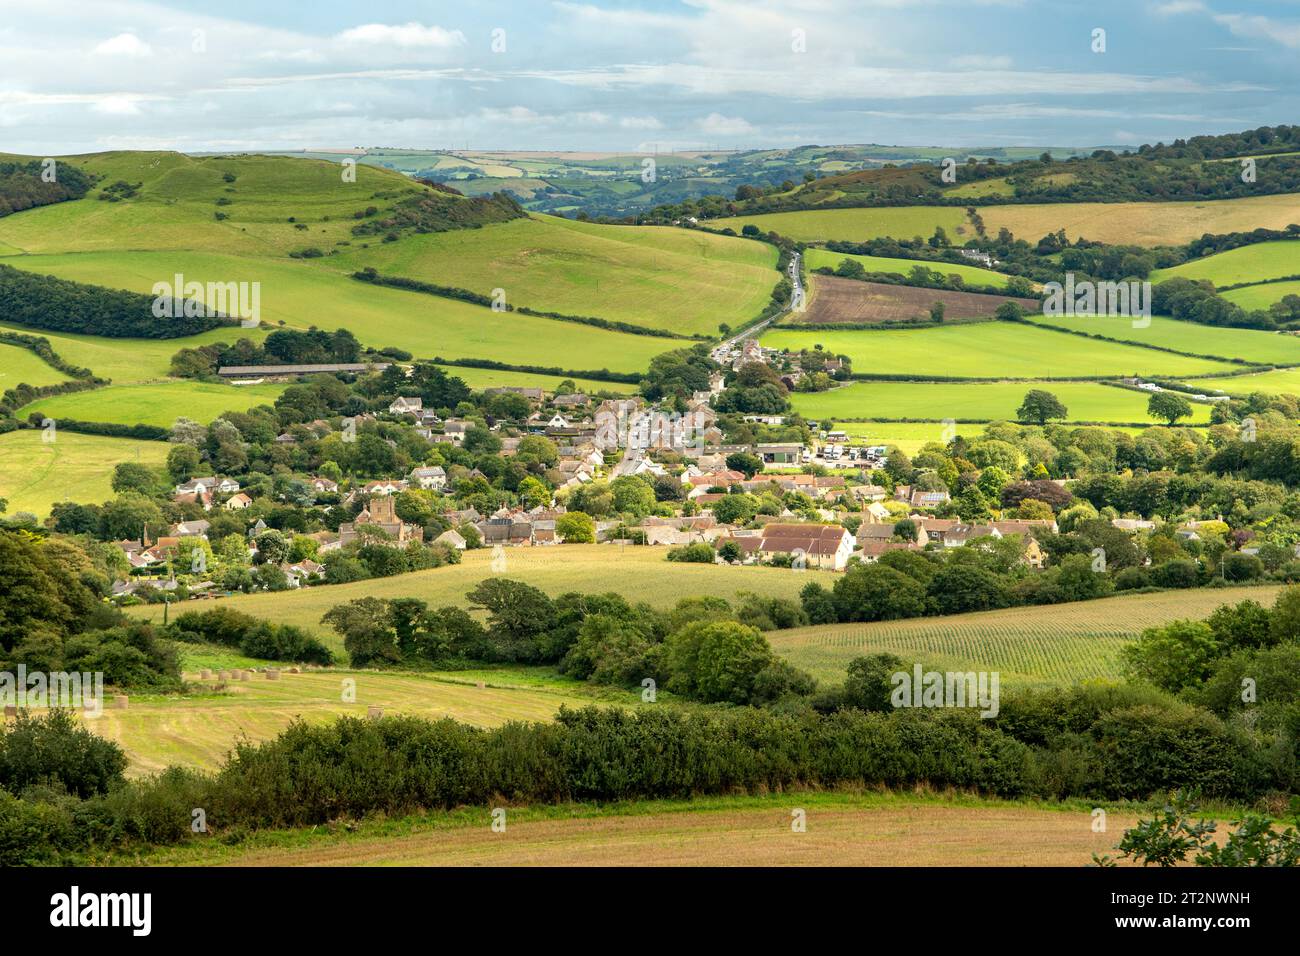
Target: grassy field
[(973, 275), (1253, 297), (35, 474), (1267, 348), (158, 403), (131, 360), (988, 350), (1280, 381), (1053, 644), (843, 829), (306, 293), (1137, 223), (911, 437), (673, 279), (23, 366), (198, 729), (855, 225), (994, 401), (638, 573), (1253, 263)]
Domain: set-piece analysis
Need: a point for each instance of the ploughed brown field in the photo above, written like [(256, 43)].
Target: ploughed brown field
[(840, 301), (921, 834)]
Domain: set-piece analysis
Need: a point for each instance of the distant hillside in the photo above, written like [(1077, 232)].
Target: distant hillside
[(1198, 169)]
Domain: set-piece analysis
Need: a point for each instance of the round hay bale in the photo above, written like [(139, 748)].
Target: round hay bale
[(374, 710), (11, 710), (120, 701), (272, 674), (205, 674)]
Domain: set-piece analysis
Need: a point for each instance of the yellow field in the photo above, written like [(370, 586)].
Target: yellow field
[(842, 829), (199, 729), (638, 573)]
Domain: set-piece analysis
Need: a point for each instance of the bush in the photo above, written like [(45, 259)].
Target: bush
[(55, 747), (697, 553)]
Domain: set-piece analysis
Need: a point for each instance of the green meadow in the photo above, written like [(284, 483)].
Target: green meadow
[(993, 401), (1267, 348), (1254, 263), (989, 350), (1253, 297), (1279, 381), (35, 474), (854, 225), (306, 293), (972, 275), (155, 403), (673, 279), (19, 365), (125, 361)]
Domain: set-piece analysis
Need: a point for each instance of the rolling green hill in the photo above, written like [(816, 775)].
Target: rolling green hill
[(972, 275), (1253, 263)]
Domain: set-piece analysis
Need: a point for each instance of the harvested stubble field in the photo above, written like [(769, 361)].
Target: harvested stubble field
[(1053, 644), (35, 474), (198, 729), (843, 829), (837, 301)]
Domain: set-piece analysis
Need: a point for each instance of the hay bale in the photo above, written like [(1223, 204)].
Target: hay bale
[(481, 685), (294, 670), (120, 701), (205, 674), (374, 710), (11, 710), (245, 675), (223, 675), (272, 674)]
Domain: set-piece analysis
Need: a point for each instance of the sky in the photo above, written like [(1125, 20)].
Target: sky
[(609, 75)]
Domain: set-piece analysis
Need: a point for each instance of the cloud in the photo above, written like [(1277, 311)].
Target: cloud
[(715, 124), (976, 62), (640, 122), (1285, 32), (124, 44), (1179, 7), (406, 35)]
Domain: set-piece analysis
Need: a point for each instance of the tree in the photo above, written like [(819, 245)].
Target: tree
[(133, 476), (936, 313), (1168, 406), (576, 527), (745, 463), (182, 463), (632, 496), (368, 633), (1039, 406), (1177, 656), (716, 660), (735, 509)]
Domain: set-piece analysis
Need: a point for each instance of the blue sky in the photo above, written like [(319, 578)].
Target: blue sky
[(83, 75)]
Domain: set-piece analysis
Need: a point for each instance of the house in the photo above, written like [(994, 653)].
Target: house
[(285, 439), (302, 572), (385, 487), (405, 406), (381, 514), (575, 400), (928, 499), (323, 485), (191, 529), (203, 498), (505, 530), (869, 492), (222, 486), (237, 502), (431, 478), (451, 538), (290, 371), (635, 464), (872, 550), (819, 545)]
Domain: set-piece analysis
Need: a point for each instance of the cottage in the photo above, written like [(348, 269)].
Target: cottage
[(237, 502), (819, 545), (403, 405), (430, 477)]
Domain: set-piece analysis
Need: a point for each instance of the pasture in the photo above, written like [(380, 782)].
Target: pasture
[(678, 280), (125, 361), (853, 302), (1261, 296), (1253, 263), (855, 225), (156, 403), (1053, 644), (910, 437), (35, 474), (20, 366), (990, 350), (637, 573), (479, 378), (993, 401), (1282, 381), (974, 275), (304, 293), (1266, 348)]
